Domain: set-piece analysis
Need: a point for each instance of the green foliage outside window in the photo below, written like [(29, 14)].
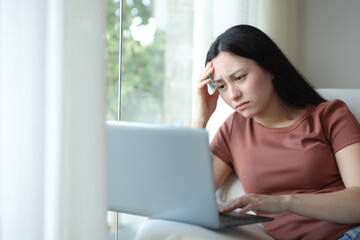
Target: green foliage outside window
[(142, 77), (113, 28)]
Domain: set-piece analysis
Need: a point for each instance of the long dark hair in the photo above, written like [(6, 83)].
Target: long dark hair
[(249, 42)]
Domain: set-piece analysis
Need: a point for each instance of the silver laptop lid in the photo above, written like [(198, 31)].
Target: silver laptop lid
[(161, 172)]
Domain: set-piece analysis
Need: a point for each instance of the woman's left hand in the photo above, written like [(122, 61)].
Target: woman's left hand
[(258, 203)]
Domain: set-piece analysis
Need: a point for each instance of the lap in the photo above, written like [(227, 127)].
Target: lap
[(162, 230)]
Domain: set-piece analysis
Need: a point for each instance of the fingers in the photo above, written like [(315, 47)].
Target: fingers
[(201, 87), (231, 205), (249, 202), (248, 208), (204, 76), (205, 103), (203, 83)]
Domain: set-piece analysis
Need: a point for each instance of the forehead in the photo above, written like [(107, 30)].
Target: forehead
[(226, 62)]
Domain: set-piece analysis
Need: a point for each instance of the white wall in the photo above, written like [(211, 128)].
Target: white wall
[(328, 37)]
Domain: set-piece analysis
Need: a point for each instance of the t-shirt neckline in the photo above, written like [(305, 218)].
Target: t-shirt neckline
[(289, 128)]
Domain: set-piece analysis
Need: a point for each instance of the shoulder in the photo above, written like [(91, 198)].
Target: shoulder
[(233, 123), (235, 120), (333, 113), (339, 125), (331, 108), (337, 103)]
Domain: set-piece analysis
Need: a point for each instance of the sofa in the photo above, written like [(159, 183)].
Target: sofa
[(167, 230)]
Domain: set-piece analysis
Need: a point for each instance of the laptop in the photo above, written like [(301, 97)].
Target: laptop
[(165, 172)]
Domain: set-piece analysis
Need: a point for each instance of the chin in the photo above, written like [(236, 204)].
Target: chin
[(245, 114)]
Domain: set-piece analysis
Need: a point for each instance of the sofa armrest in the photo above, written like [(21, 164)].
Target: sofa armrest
[(232, 188)]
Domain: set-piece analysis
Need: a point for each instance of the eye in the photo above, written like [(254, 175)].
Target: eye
[(239, 78), (221, 87)]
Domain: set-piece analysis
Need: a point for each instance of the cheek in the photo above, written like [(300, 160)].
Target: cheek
[(256, 83), (226, 99), (260, 88)]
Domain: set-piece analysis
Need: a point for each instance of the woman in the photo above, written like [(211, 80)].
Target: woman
[(297, 155)]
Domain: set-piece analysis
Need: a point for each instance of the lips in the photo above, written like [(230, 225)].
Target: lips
[(242, 106)]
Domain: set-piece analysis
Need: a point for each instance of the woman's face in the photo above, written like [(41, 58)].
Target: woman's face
[(244, 85)]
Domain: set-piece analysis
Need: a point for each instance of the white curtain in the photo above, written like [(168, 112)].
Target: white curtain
[(52, 111), (278, 19)]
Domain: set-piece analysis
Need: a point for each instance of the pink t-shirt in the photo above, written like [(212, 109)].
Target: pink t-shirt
[(291, 160)]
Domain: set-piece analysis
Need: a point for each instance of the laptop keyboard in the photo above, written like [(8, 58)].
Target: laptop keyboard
[(235, 219)]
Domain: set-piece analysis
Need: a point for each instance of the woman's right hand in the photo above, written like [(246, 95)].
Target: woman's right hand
[(205, 104)]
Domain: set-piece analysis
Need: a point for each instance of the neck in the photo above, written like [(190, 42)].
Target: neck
[(279, 115)]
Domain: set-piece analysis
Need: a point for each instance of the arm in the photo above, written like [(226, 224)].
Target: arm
[(341, 207), (221, 171), (205, 104)]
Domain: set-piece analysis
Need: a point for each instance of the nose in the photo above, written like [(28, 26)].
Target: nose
[(234, 92)]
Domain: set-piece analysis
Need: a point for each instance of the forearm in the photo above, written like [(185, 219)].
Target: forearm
[(198, 123), (340, 207)]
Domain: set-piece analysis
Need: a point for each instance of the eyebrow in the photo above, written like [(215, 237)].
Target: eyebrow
[(231, 75)]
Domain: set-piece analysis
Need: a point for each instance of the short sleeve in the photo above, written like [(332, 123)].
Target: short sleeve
[(340, 125), (220, 145)]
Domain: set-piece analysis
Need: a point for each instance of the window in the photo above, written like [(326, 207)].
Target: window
[(156, 76), (158, 56), (156, 67)]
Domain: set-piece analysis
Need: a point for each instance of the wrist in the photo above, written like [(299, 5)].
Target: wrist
[(286, 201)]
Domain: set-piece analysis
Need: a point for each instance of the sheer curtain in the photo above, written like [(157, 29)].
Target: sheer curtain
[(52, 110)]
